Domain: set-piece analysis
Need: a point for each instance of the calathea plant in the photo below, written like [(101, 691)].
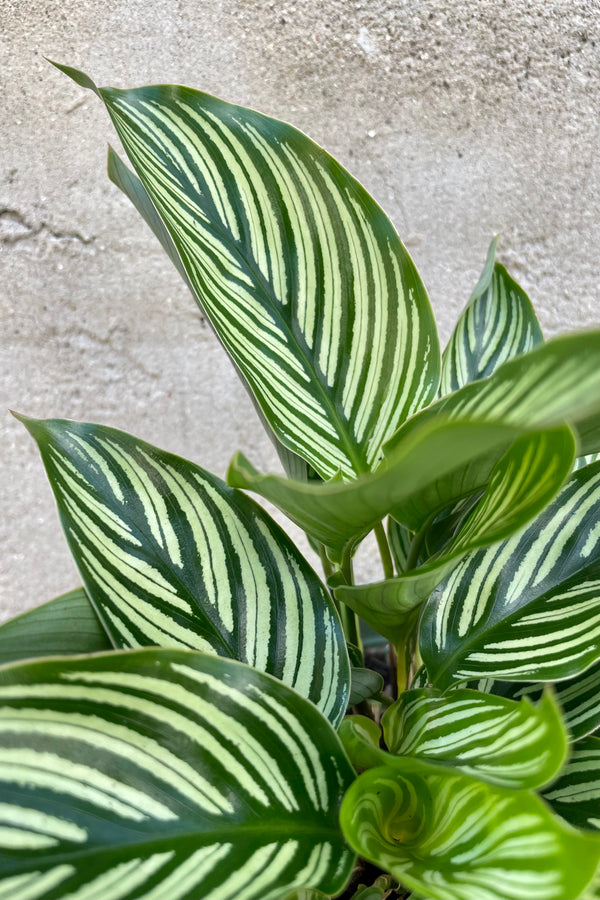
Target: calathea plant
[(177, 727)]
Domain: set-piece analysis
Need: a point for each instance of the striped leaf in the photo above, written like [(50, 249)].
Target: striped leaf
[(450, 836), (555, 383), (498, 324), (576, 794), (63, 626), (301, 273), (165, 774), (526, 478), (501, 741), (133, 188), (335, 512), (171, 556), (528, 609), (578, 698)]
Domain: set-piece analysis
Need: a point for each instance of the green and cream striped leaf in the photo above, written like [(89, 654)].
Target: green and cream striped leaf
[(523, 482), (450, 836), (578, 698), (576, 794), (514, 744), (133, 188), (63, 626), (529, 608), (165, 774), (301, 273), (171, 556), (498, 324), (554, 383)]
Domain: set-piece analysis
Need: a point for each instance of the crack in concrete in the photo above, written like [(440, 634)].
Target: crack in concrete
[(20, 229)]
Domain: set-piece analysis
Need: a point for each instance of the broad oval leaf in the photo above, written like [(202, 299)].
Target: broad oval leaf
[(576, 794), (65, 625), (171, 556), (525, 479), (449, 836), (301, 273), (364, 684), (501, 741), (165, 774), (498, 324), (528, 609)]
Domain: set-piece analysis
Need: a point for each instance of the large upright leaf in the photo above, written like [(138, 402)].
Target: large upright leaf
[(528, 609), (301, 273), (65, 625), (133, 188), (449, 836), (170, 555), (498, 324), (168, 775)]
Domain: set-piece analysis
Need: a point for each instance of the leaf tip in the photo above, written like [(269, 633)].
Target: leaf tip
[(76, 75)]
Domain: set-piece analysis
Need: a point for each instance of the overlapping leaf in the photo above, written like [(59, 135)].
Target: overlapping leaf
[(165, 774), (528, 609), (65, 625), (501, 741), (523, 482), (576, 794), (301, 273), (449, 836), (579, 697), (171, 556), (498, 324)]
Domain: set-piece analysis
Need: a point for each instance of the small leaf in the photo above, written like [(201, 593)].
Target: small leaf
[(498, 324), (501, 741), (576, 794), (361, 737), (364, 684), (165, 774), (449, 836), (63, 626), (171, 556), (294, 264), (335, 511), (521, 485), (529, 608)]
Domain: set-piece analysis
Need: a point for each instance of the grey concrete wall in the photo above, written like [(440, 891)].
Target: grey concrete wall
[(463, 118)]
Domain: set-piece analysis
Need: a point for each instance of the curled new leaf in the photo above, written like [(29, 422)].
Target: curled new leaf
[(449, 836)]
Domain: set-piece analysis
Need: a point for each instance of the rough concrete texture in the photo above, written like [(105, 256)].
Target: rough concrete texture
[(463, 118)]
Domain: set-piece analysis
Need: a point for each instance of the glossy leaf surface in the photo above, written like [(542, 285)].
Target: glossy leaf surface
[(498, 324), (449, 836), (522, 483), (301, 273), (162, 773), (501, 741), (578, 698), (65, 625), (576, 794), (172, 556), (528, 609)]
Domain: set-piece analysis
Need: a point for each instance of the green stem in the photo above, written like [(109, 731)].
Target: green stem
[(417, 545), (384, 551), (350, 620)]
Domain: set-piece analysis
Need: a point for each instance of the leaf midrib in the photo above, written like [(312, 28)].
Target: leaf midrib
[(249, 263)]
